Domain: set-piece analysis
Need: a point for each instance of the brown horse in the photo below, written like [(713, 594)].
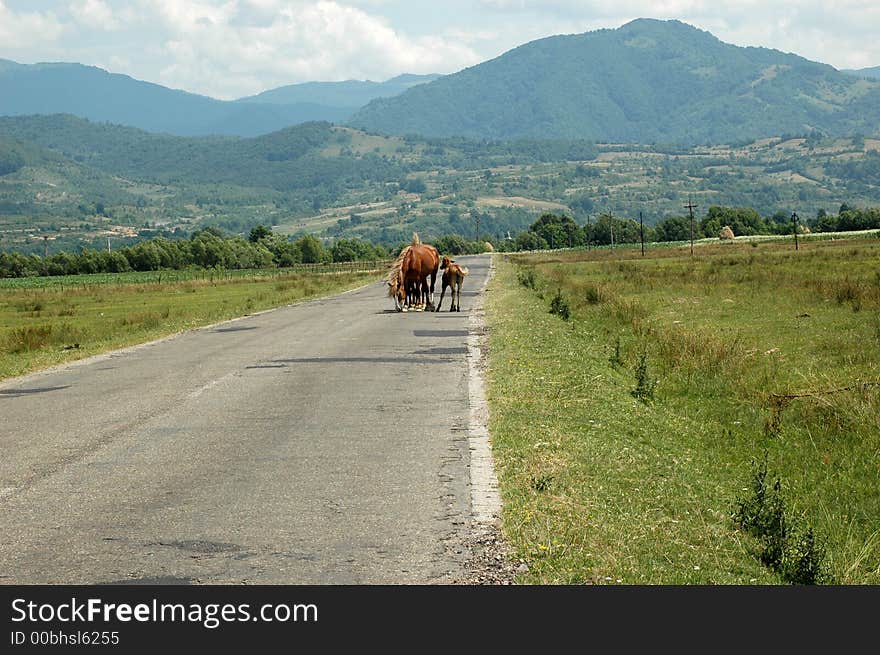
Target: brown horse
[(408, 278), (453, 277)]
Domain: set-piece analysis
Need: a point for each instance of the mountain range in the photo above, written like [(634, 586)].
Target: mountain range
[(649, 81), (95, 94)]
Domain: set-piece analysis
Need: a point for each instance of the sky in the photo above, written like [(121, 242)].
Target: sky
[(228, 49)]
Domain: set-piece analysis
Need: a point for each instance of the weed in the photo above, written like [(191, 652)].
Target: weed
[(29, 338), (542, 482), (644, 385), (803, 560), (762, 514), (593, 295), (559, 306), (527, 278), (616, 358)]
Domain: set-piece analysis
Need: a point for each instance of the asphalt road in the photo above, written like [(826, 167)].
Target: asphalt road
[(321, 443)]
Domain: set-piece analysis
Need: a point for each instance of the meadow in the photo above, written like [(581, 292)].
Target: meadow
[(678, 419), (50, 320)]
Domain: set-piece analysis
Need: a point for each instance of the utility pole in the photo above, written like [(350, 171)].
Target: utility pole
[(794, 225), (690, 207), (108, 244), (45, 247), (611, 226), (642, 232)]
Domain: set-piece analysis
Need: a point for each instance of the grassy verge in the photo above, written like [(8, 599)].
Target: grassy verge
[(626, 435), (43, 326)]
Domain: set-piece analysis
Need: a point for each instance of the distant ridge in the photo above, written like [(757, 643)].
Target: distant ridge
[(97, 95), (351, 93), (873, 72)]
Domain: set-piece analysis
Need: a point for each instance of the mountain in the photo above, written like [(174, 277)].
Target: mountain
[(93, 93), (647, 81), (350, 94), (873, 72)]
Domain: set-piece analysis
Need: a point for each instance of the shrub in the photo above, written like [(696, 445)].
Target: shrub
[(762, 514), (644, 385), (593, 295), (527, 278), (616, 358), (559, 306)]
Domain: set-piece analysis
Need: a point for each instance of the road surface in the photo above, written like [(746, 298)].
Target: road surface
[(320, 443)]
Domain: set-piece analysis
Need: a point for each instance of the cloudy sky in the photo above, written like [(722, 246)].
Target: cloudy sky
[(232, 48)]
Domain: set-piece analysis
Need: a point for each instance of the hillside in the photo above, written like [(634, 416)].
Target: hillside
[(74, 181), (95, 94), (348, 95), (873, 72), (649, 81)]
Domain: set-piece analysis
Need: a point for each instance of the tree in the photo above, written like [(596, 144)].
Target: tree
[(626, 230), (313, 251), (558, 231), (530, 241), (674, 228), (744, 221), (258, 233)]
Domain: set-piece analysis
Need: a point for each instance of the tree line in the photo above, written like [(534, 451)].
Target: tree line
[(552, 231), (206, 248), (211, 248)]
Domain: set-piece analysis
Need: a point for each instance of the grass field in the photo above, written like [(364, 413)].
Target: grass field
[(627, 434), (47, 321)]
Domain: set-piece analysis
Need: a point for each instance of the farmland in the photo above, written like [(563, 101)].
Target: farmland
[(48, 321), (79, 184)]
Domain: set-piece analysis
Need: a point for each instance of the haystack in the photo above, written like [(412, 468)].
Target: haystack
[(726, 233)]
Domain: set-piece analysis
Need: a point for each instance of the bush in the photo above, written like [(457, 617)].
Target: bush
[(762, 514), (559, 306), (644, 385), (527, 278), (593, 295)]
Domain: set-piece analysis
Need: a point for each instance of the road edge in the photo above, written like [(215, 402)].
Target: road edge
[(485, 498), (490, 562)]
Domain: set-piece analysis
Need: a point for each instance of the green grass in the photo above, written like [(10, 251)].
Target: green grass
[(746, 351), (41, 326)]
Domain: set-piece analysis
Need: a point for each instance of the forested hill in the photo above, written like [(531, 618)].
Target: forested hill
[(649, 81), (292, 158)]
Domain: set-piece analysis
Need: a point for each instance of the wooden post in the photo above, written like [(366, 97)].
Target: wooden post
[(690, 207), (611, 227), (642, 232), (794, 224)]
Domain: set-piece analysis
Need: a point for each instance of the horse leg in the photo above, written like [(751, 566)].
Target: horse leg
[(442, 291), (433, 282)]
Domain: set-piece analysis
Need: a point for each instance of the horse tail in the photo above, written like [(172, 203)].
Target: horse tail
[(464, 270), (416, 241)]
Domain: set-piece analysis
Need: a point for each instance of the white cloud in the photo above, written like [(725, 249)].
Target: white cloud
[(94, 14), (221, 50), (20, 30), (231, 48)]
